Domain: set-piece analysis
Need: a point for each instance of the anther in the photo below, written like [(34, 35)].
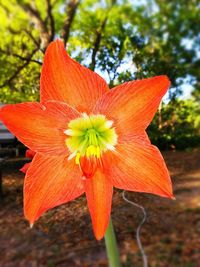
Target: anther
[(77, 159)]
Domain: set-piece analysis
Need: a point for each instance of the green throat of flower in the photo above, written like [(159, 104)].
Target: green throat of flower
[(90, 136)]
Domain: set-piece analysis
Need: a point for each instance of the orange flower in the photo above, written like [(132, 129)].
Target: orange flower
[(87, 138), (29, 154)]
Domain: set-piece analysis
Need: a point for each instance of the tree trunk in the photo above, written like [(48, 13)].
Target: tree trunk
[(70, 9)]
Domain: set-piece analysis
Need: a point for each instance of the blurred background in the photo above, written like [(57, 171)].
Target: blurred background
[(121, 40)]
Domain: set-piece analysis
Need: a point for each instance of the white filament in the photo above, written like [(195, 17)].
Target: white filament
[(144, 256)]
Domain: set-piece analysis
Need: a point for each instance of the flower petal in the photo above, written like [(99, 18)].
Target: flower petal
[(24, 169), (132, 105), (49, 182), (40, 127), (64, 79), (30, 153), (99, 198), (138, 166)]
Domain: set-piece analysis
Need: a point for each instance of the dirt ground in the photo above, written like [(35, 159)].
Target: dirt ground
[(63, 236)]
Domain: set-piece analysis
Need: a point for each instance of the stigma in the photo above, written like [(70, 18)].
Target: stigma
[(89, 136)]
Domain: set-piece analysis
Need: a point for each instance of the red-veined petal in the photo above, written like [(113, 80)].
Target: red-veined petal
[(24, 169), (49, 182), (40, 127), (64, 79), (140, 167), (132, 105), (99, 198), (30, 153)]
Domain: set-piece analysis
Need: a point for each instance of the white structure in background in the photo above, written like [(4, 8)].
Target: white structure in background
[(5, 135), (6, 138)]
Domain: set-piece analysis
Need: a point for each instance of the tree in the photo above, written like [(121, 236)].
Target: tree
[(179, 127), (120, 39)]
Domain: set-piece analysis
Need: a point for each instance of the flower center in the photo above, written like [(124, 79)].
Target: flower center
[(90, 136)]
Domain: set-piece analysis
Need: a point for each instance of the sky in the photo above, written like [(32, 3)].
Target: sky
[(186, 87)]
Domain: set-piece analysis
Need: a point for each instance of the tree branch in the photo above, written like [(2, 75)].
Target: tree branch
[(97, 39), (97, 43), (36, 42), (70, 13), (39, 23), (19, 56), (19, 69), (26, 58), (51, 19), (5, 9)]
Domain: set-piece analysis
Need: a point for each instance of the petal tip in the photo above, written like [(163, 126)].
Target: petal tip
[(169, 195), (56, 45), (173, 197), (23, 169), (99, 236), (164, 79)]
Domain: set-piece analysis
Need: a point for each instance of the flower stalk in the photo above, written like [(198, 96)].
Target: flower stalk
[(111, 246)]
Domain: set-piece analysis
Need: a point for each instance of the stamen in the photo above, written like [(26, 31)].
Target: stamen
[(88, 137), (71, 156), (77, 159), (109, 124), (85, 115), (110, 147), (91, 151), (98, 152), (69, 132)]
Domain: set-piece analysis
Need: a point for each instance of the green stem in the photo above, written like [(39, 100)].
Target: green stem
[(111, 246)]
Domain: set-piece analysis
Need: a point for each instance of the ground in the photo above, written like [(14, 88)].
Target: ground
[(63, 236)]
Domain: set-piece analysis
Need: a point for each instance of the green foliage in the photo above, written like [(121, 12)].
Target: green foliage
[(176, 125), (121, 39)]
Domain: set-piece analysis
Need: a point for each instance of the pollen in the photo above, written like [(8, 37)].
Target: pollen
[(90, 136), (77, 159)]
